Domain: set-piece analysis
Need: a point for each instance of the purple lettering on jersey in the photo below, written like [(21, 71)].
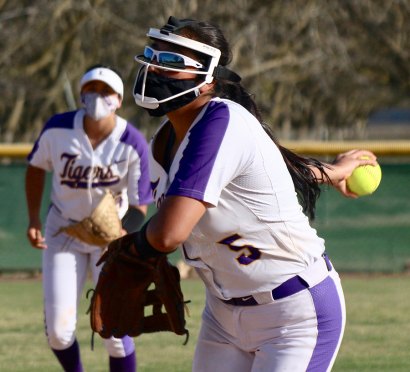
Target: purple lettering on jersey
[(199, 156), (81, 177), (68, 164), (243, 259), (154, 188)]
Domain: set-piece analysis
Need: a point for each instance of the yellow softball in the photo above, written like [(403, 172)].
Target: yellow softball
[(365, 179)]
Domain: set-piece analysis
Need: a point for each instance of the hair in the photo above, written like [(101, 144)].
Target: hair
[(305, 182)]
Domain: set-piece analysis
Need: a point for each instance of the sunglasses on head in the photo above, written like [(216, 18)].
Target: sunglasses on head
[(169, 59)]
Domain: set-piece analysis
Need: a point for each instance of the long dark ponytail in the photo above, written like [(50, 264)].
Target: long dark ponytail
[(300, 168)]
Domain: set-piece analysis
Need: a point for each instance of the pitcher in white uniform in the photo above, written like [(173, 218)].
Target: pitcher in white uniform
[(238, 205), (88, 151)]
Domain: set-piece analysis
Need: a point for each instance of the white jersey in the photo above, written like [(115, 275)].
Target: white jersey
[(81, 174), (255, 236)]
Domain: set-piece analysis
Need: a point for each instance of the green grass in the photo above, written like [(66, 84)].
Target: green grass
[(377, 336)]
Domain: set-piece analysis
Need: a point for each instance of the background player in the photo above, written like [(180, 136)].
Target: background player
[(89, 151), (228, 193)]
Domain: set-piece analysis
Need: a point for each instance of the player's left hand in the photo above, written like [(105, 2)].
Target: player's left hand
[(124, 290), (343, 166), (35, 237)]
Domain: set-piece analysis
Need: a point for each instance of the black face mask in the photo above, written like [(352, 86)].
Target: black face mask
[(161, 87)]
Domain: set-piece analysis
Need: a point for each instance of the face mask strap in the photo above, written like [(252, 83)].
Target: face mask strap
[(143, 82), (142, 94)]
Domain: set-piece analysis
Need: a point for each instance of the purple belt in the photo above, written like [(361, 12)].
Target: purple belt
[(288, 288)]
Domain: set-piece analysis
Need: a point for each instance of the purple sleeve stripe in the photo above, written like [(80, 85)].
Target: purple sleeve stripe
[(136, 140), (199, 156), (59, 121)]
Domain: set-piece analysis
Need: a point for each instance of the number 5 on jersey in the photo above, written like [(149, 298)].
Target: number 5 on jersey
[(246, 258)]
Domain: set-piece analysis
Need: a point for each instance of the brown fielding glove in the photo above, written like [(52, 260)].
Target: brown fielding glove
[(102, 227), (118, 303)]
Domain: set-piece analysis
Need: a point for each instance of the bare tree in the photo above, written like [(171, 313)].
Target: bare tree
[(317, 68)]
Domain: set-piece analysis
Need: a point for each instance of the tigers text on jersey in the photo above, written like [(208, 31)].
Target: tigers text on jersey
[(255, 236), (81, 174)]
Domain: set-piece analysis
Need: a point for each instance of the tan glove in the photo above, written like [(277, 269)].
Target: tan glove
[(102, 227)]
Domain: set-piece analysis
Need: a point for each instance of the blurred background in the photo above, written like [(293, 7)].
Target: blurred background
[(328, 76)]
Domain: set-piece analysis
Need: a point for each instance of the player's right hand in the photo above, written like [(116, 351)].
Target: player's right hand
[(35, 238), (343, 166)]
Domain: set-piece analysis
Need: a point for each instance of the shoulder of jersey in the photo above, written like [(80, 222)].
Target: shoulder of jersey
[(62, 121), (132, 136)]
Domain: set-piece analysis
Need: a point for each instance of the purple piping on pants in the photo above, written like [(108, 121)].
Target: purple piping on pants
[(329, 317)]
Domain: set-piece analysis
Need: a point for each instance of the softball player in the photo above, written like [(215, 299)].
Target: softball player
[(227, 193), (88, 151)]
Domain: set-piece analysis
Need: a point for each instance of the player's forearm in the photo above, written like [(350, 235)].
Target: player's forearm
[(34, 186), (328, 168), (173, 223)]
